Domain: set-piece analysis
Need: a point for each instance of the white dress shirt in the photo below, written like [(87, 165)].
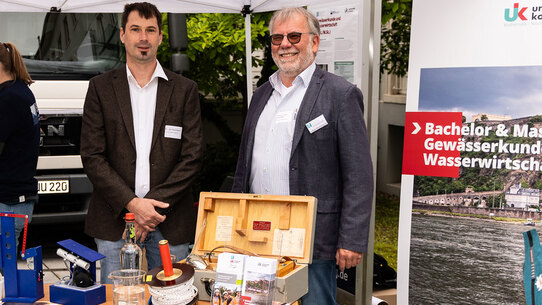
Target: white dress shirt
[(143, 100), (274, 134)]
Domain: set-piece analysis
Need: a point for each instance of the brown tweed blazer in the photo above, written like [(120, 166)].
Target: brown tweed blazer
[(109, 156)]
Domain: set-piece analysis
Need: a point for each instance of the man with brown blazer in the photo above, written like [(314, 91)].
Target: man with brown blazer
[(141, 145)]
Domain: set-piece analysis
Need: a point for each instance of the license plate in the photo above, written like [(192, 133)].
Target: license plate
[(53, 186)]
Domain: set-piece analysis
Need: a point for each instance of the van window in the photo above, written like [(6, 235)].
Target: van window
[(67, 46)]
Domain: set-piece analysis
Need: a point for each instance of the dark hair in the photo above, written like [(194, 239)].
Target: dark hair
[(145, 9), (12, 62)]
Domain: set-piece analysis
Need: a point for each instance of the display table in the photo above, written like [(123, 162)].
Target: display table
[(108, 295)]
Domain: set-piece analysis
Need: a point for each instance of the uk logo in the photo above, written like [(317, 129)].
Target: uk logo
[(516, 13)]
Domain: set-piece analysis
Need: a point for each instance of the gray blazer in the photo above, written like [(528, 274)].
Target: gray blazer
[(333, 163)]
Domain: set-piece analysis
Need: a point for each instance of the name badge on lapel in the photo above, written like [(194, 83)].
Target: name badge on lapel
[(316, 124), (173, 132)]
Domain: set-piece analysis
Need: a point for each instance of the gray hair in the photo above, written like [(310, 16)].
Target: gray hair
[(286, 13)]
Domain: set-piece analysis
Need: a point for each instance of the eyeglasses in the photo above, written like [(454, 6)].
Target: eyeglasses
[(293, 38)]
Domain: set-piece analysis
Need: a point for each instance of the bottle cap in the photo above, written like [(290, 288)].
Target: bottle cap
[(130, 216)]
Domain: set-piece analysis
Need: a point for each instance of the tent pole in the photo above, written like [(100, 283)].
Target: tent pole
[(370, 28), (248, 49)]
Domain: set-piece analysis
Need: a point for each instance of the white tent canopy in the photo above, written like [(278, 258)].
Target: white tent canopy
[(170, 6), (167, 6)]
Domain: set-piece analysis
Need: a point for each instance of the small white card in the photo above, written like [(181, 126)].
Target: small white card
[(316, 124), (289, 242), (173, 132), (284, 117), (224, 227)]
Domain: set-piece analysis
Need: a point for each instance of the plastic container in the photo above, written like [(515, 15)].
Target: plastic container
[(128, 287)]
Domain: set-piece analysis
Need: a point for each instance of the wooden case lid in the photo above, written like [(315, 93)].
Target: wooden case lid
[(268, 225)]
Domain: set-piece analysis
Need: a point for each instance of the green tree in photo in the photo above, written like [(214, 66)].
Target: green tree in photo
[(395, 36), (538, 184)]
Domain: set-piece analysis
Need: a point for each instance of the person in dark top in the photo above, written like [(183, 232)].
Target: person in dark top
[(19, 137)]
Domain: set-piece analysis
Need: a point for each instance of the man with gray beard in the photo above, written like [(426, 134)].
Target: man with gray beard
[(305, 135)]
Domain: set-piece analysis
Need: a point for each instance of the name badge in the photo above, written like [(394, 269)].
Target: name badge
[(316, 124), (283, 117), (173, 132)]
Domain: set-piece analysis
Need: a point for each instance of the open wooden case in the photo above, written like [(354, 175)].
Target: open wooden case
[(280, 227)]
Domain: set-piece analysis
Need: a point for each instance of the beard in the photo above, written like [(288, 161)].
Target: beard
[(145, 54), (293, 68)]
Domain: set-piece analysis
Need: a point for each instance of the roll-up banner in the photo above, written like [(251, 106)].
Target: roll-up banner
[(472, 162)]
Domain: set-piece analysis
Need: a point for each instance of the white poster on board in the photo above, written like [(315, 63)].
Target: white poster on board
[(339, 40), (472, 165)]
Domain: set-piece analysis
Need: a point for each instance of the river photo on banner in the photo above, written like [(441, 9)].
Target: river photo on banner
[(466, 261)]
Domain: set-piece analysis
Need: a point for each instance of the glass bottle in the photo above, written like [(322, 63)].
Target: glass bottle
[(130, 254)]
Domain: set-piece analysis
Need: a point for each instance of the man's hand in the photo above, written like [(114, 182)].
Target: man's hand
[(347, 259), (146, 217)]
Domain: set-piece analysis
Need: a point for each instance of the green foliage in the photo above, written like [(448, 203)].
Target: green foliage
[(164, 50), (508, 219), (395, 37), (496, 201), (387, 227), (537, 184), (436, 213), (216, 50), (433, 185), (394, 9), (483, 117), (470, 177), (536, 119)]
